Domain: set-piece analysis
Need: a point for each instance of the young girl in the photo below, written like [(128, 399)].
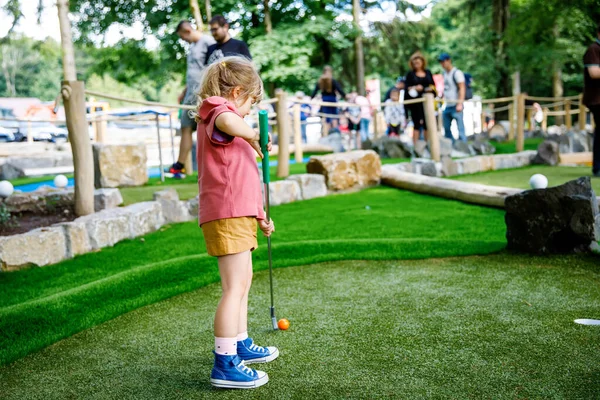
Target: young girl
[(230, 207)]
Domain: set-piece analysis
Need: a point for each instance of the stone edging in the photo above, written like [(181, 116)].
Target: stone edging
[(50, 245)]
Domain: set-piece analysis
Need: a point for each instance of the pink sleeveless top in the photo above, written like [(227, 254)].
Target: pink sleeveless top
[(228, 178)]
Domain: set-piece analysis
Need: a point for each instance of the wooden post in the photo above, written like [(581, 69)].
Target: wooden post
[(545, 111), (29, 135), (440, 119), (283, 124), (568, 121), (375, 123), (431, 123), (483, 126), (73, 92), (101, 129), (511, 122), (358, 48), (298, 134), (582, 113), (520, 122)]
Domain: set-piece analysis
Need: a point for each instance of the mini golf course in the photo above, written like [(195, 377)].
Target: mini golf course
[(435, 309)]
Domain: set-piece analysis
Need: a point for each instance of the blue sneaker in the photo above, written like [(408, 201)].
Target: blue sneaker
[(251, 353), (230, 372)]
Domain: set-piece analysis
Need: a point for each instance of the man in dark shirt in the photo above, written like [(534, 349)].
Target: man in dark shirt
[(225, 46), (591, 93)]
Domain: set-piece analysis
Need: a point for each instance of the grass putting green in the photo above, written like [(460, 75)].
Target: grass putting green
[(40, 306), (511, 147), (498, 326), (519, 177)]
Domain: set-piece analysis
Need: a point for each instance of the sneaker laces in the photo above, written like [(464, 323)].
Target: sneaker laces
[(245, 369), (257, 348)]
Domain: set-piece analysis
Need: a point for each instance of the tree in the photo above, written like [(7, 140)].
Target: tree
[(358, 48)]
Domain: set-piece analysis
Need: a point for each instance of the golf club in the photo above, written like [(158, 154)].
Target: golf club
[(263, 122)]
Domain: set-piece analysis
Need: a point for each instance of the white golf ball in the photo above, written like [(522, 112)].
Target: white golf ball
[(61, 181), (6, 189), (538, 181)]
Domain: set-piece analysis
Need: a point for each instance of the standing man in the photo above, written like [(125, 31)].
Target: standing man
[(199, 44), (591, 93), (225, 46), (454, 90)]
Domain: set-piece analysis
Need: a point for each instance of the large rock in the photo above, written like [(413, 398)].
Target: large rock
[(463, 147), (421, 149), (120, 165), (145, 217), (561, 219), (449, 167), (106, 228), (76, 238), (389, 147), (107, 198), (423, 166), (499, 131), (547, 153), (193, 204), (483, 147), (445, 147), (311, 185), (40, 247), (352, 170), (173, 209), (334, 140), (578, 141), (40, 202), (282, 192)]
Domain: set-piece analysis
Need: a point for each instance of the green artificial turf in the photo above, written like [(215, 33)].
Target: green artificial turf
[(494, 327), (519, 177), (511, 147), (39, 306)]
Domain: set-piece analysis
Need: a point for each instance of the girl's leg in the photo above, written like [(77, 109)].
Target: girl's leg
[(243, 320), (233, 271)]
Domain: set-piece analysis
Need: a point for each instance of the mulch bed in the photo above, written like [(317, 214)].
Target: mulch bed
[(26, 222)]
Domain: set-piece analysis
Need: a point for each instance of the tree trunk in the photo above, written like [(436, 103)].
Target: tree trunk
[(500, 15), (557, 82), (197, 16), (358, 49), (268, 24), (208, 10), (74, 100)]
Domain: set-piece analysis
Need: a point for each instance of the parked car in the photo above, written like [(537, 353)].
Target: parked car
[(6, 135)]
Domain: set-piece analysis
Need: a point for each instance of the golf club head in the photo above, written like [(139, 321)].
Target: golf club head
[(275, 326)]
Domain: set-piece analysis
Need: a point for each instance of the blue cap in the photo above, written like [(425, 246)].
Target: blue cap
[(400, 79), (444, 57)]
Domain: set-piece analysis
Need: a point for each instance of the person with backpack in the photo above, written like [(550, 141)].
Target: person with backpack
[(455, 93)]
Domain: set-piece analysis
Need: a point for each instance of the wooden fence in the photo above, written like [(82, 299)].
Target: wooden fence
[(288, 121)]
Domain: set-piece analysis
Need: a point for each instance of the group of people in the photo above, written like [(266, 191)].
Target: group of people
[(414, 85)]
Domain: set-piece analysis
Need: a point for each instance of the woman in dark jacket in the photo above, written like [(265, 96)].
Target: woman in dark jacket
[(328, 88), (418, 81)]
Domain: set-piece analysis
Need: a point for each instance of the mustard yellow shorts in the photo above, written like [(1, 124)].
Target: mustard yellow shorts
[(230, 236)]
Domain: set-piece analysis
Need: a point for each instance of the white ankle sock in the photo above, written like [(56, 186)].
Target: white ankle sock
[(242, 336), (225, 346)]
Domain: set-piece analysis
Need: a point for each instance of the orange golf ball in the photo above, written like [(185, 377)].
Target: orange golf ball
[(283, 324)]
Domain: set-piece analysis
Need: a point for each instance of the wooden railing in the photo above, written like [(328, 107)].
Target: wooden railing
[(289, 123)]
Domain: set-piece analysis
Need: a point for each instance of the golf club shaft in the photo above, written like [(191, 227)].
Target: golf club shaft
[(268, 206)]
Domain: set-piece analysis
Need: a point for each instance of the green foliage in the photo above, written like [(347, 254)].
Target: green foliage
[(7, 220)]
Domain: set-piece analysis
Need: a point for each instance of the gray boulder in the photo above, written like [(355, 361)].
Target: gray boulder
[(562, 219), (421, 148), (547, 153), (334, 140), (463, 147), (483, 147), (445, 147), (388, 147), (424, 166), (578, 141)]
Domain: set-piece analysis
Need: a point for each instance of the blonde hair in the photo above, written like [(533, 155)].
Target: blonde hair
[(326, 80), (224, 75), (417, 54)]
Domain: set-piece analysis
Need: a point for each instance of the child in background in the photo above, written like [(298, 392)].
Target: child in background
[(394, 113), (230, 207)]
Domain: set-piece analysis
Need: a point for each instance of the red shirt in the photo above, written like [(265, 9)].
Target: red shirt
[(228, 179)]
